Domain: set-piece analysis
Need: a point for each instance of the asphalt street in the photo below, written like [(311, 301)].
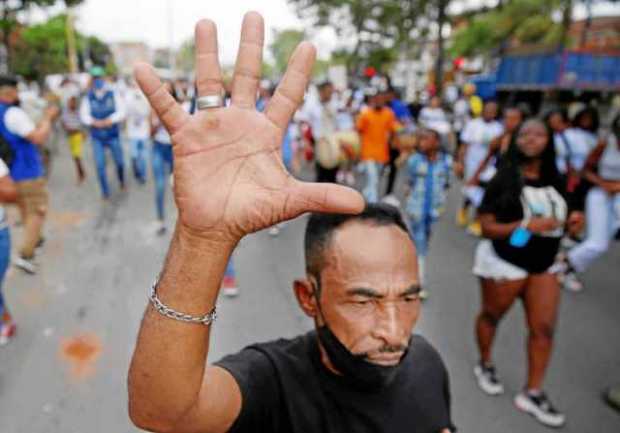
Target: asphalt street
[(77, 319)]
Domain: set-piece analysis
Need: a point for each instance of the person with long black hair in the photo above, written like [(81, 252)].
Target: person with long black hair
[(523, 216)]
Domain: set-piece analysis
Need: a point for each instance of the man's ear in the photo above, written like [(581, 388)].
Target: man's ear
[(305, 294)]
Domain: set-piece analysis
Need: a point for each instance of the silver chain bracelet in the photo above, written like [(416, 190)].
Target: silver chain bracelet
[(164, 310)]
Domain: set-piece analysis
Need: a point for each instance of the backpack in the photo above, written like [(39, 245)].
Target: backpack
[(6, 151)]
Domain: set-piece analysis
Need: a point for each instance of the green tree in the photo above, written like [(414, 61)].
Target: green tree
[(381, 29), (42, 50), (185, 57), (284, 42), (9, 10)]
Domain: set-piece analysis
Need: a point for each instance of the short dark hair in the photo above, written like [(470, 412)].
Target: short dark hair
[(321, 227), (8, 81), (593, 112), (324, 84), (562, 112)]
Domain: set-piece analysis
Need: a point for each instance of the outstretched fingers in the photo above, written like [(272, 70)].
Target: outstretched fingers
[(249, 61), (290, 93), (208, 72), (323, 197), (169, 111)]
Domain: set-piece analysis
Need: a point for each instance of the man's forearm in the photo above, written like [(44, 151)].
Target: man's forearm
[(42, 132), (169, 361)]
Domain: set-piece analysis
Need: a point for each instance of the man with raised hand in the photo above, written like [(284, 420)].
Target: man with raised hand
[(360, 370)]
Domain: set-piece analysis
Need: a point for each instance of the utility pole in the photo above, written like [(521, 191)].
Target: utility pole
[(586, 25), (71, 45), (441, 19)]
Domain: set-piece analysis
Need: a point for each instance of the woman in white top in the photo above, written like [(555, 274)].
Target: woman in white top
[(476, 139), (572, 147), (602, 170)]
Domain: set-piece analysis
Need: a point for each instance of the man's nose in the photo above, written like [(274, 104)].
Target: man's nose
[(389, 326)]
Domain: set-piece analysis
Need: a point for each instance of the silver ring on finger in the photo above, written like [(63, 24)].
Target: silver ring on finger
[(209, 101)]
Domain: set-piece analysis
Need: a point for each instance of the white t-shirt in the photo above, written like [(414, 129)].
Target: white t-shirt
[(138, 114), (434, 118), (4, 171), (18, 122), (478, 135), (580, 143), (321, 117)]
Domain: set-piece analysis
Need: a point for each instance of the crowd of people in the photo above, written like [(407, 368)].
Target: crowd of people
[(542, 193)]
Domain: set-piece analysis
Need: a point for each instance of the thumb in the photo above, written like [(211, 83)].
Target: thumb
[(323, 197)]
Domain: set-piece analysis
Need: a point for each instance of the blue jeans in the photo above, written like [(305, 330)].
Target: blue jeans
[(5, 254), (371, 190), (420, 231), (138, 151), (114, 145), (230, 269), (162, 167)]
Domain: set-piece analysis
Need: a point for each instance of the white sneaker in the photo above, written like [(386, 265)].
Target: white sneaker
[(391, 200), (571, 282), (540, 407), (26, 265), (487, 379), (230, 292)]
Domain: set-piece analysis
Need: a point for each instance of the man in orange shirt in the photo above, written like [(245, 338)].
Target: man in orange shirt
[(375, 124)]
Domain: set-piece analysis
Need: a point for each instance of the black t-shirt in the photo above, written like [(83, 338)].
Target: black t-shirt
[(286, 388), (536, 199)]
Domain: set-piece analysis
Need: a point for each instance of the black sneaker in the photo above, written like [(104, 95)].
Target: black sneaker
[(540, 407), (487, 379)]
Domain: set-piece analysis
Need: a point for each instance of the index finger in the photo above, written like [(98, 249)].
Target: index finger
[(290, 91), (169, 111)]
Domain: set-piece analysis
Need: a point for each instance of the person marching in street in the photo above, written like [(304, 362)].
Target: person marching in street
[(428, 171), (138, 130), (26, 167), (523, 215), (321, 116), (75, 135), (402, 113), (476, 138), (8, 194), (376, 125), (602, 206), (572, 147), (103, 110), (162, 162), (513, 117), (360, 369)]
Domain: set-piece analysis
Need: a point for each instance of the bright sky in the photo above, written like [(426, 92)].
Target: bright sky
[(150, 21)]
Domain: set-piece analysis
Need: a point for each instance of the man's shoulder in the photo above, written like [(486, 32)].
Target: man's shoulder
[(274, 351), (422, 351)]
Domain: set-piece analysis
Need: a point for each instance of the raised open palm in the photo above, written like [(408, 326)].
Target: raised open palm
[(228, 170)]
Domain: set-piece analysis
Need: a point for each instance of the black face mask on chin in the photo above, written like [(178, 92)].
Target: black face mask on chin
[(355, 370)]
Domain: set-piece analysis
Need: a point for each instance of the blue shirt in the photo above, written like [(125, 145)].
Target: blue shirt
[(27, 163), (401, 110), (428, 181), (102, 108)]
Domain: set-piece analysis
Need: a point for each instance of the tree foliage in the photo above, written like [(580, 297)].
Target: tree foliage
[(9, 10), (284, 42), (42, 49)]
